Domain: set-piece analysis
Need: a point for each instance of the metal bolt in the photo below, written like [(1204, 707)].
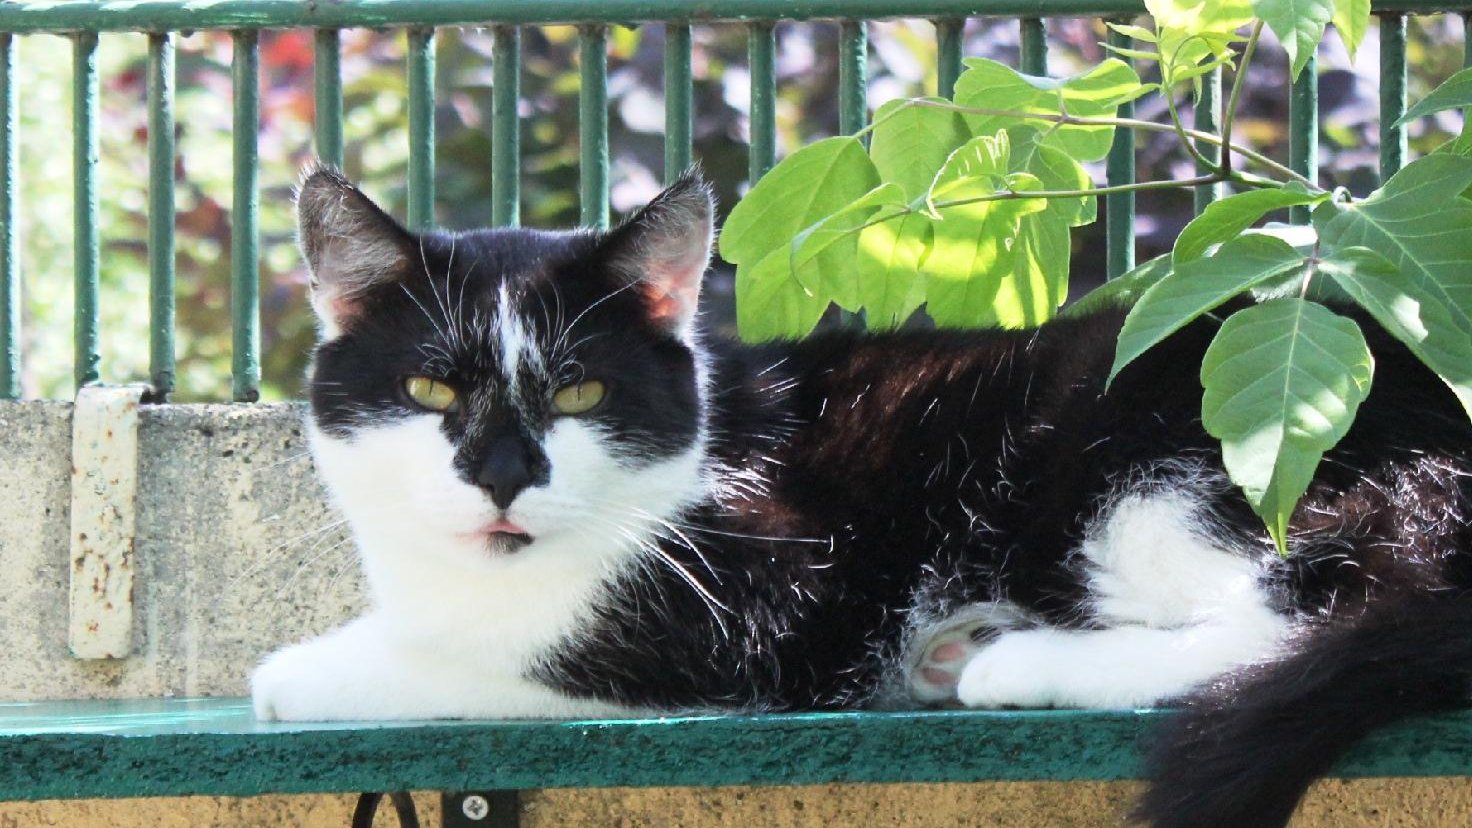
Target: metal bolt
[(475, 807)]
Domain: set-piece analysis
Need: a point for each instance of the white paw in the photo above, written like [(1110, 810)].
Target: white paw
[(289, 686), (1018, 669)]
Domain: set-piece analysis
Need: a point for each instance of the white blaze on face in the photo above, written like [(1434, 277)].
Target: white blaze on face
[(515, 341)]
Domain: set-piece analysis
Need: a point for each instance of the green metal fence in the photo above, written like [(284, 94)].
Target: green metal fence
[(82, 21)]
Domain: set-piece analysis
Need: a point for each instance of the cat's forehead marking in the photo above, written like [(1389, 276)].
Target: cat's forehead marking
[(514, 338)]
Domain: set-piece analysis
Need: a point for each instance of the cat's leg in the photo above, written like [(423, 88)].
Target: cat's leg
[(363, 671), (1171, 607), (1121, 667)]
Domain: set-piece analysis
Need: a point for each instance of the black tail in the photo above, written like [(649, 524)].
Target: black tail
[(1241, 754)]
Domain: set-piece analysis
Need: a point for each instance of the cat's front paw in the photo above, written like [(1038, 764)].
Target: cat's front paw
[(289, 686), (1018, 669)]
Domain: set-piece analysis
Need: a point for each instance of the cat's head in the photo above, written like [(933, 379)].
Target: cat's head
[(498, 394)]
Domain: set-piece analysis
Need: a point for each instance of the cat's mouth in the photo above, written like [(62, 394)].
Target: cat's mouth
[(504, 536)]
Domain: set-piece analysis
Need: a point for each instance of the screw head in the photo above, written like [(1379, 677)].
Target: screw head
[(475, 807)]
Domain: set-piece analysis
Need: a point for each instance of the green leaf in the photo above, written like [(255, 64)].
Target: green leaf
[(976, 168), (968, 255), (987, 84), (1432, 331), (1420, 223), (1299, 24), (1352, 19), (816, 181), (1139, 33), (1057, 170), (1455, 93), (890, 285), (1283, 381), (1196, 287), (771, 303), (911, 142), (1122, 291), (1200, 16), (823, 256), (1037, 283), (1227, 218)]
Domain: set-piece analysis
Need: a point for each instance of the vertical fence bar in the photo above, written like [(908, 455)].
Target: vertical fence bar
[(1034, 57), (761, 48), (679, 101), (1467, 40), (421, 128), (948, 47), (1207, 118), (853, 76), (506, 127), (1303, 131), (1392, 93), (85, 352), (9, 251), (1119, 169), (327, 84), (245, 301), (593, 124), (161, 214)]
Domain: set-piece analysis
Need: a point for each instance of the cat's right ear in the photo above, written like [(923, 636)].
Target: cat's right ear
[(350, 244)]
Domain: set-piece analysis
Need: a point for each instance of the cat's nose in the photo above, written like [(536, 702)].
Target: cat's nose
[(505, 472)]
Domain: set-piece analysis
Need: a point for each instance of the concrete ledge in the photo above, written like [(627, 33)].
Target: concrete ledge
[(237, 551)]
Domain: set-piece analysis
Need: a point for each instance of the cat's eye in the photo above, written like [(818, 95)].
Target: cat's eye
[(578, 398), (431, 394)]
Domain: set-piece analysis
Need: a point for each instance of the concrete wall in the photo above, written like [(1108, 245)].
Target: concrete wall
[(237, 553)]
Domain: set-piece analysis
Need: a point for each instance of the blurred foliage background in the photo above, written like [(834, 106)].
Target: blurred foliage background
[(902, 61)]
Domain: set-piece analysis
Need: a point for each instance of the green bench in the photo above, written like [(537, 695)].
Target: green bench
[(182, 747)]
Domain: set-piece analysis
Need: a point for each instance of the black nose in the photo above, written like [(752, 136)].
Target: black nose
[(506, 471)]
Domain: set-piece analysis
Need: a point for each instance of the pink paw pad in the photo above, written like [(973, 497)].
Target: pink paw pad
[(934, 676)]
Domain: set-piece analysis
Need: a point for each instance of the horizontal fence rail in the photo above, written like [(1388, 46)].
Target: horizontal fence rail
[(191, 15), (82, 21)]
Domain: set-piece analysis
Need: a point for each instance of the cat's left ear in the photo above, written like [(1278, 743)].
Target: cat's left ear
[(665, 248)]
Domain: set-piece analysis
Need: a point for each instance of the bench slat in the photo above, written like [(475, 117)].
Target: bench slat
[(86, 749)]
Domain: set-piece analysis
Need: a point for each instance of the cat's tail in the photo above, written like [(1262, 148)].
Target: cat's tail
[(1242, 753)]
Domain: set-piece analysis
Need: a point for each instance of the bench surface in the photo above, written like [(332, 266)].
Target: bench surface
[(171, 747)]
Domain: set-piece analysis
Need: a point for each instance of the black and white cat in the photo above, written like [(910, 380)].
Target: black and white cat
[(570, 503)]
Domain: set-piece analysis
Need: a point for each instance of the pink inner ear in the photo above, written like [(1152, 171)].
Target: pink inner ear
[(672, 289)]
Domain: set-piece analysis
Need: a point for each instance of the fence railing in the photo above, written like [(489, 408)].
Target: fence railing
[(82, 21)]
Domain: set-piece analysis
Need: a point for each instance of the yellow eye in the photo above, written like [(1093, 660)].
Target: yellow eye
[(431, 394), (578, 398)]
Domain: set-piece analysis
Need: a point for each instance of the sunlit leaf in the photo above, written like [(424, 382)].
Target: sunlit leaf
[(1299, 25), (1352, 19), (987, 84), (814, 182), (911, 142)]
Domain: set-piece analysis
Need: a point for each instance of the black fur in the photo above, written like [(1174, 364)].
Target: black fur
[(866, 475), (1242, 753)]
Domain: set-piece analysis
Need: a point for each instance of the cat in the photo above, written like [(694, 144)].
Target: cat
[(568, 501)]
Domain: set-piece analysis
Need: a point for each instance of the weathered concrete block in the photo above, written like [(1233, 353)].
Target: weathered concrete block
[(237, 551)]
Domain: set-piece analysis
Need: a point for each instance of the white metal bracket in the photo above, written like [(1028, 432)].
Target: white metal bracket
[(103, 515)]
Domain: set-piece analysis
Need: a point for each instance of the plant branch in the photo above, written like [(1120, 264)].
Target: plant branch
[(1237, 84), (1127, 123), (1008, 195)]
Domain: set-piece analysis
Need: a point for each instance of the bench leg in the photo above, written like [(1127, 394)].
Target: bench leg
[(367, 809), (481, 809)]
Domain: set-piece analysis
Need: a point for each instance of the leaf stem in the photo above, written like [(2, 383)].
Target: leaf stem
[(1238, 82)]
